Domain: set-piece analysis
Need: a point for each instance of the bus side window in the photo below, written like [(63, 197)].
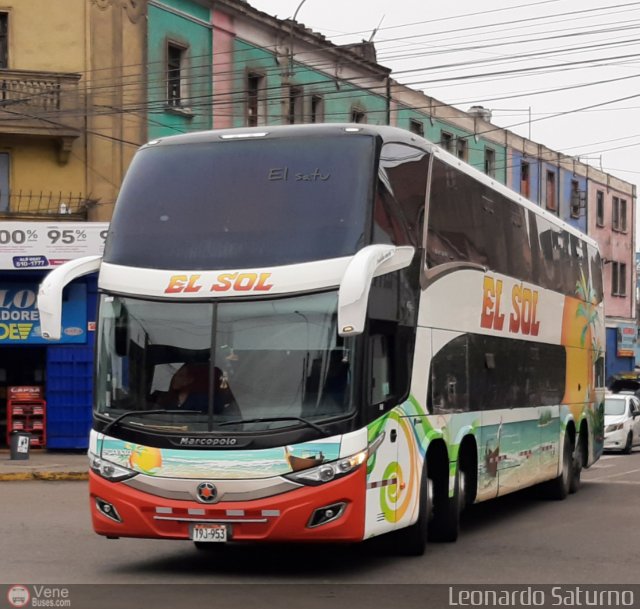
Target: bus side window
[(595, 267), (449, 380), (404, 169)]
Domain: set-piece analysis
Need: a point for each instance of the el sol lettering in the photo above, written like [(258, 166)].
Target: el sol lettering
[(238, 282), (523, 310)]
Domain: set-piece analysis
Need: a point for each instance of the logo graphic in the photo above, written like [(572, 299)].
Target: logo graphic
[(18, 596), (207, 492), (187, 441)]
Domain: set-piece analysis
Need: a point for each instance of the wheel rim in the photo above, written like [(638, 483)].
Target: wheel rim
[(566, 466), (430, 499), (462, 490)]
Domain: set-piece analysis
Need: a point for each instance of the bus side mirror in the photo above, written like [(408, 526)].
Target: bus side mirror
[(50, 293), (353, 296)]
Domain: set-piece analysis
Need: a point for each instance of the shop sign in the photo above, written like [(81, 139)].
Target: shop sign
[(44, 245), (20, 319), (22, 393), (626, 340)]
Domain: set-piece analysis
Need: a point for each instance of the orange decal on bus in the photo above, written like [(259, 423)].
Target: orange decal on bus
[(492, 293), (182, 283), (225, 281), (242, 282), (524, 304), (523, 319)]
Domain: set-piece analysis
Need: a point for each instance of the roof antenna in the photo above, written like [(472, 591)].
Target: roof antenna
[(375, 31)]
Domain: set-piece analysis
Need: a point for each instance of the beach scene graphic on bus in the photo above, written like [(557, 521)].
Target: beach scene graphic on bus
[(223, 464), (516, 446)]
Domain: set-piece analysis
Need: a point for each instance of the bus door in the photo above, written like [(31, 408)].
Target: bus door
[(386, 486)]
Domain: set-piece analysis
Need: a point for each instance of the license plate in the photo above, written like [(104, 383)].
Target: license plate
[(209, 532)]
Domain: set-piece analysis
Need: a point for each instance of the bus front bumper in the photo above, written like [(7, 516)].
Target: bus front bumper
[(291, 516)]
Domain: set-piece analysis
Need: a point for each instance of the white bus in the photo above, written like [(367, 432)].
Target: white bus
[(328, 333)]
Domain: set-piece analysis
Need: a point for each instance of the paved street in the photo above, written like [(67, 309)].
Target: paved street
[(592, 537)]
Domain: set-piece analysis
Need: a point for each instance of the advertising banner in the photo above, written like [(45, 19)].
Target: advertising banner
[(44, 245), (20, 319), (626, 340)]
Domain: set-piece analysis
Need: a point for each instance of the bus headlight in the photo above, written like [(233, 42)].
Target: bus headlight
[(109, 471), (329, 471)]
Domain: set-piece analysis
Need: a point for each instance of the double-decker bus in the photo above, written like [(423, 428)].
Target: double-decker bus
[(328, 333)]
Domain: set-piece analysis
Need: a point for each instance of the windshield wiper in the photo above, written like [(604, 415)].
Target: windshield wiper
[(308, 423), (143, 413)]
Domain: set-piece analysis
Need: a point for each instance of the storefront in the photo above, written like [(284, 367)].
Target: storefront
[(59, 372), (621, 348)]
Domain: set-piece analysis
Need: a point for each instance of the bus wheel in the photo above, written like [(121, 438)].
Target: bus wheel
[(576, 467), (445, 525), (411, 541), (559, 487)]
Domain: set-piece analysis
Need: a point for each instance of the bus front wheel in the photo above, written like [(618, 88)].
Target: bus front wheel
[(445, 525), (411, 541)]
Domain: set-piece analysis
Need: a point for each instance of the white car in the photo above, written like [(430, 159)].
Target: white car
[(621, 422)]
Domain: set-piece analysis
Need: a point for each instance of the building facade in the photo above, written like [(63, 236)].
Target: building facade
[(83, 88), (67, 81)]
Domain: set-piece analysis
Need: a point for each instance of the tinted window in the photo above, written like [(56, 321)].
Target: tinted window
[(595, 267), (403, 174), (466, 221), (551, 250), (470, 222), (240, 204), (450, 378), (480, 372)]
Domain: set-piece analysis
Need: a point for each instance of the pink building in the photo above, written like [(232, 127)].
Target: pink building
[(611, 222)]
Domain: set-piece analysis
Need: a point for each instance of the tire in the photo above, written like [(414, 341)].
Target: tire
[(576, 468), (445, 524), (412, 540), (629, 445), (559, 487)]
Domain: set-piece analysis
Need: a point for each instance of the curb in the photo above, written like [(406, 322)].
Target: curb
[(43, 475)]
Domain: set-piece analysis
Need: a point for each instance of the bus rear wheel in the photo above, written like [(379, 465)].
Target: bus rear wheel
[(576, 467), (559, 487)]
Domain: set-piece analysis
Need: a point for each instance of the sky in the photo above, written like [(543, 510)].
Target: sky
[(564, 73)]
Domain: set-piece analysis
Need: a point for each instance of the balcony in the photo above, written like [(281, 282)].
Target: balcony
[(42, 105), (55, 206)]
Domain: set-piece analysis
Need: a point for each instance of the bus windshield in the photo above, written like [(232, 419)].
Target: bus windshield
[(225, 361), (237, 204)]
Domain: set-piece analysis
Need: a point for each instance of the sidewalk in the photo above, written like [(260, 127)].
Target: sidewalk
[(44, 465)]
